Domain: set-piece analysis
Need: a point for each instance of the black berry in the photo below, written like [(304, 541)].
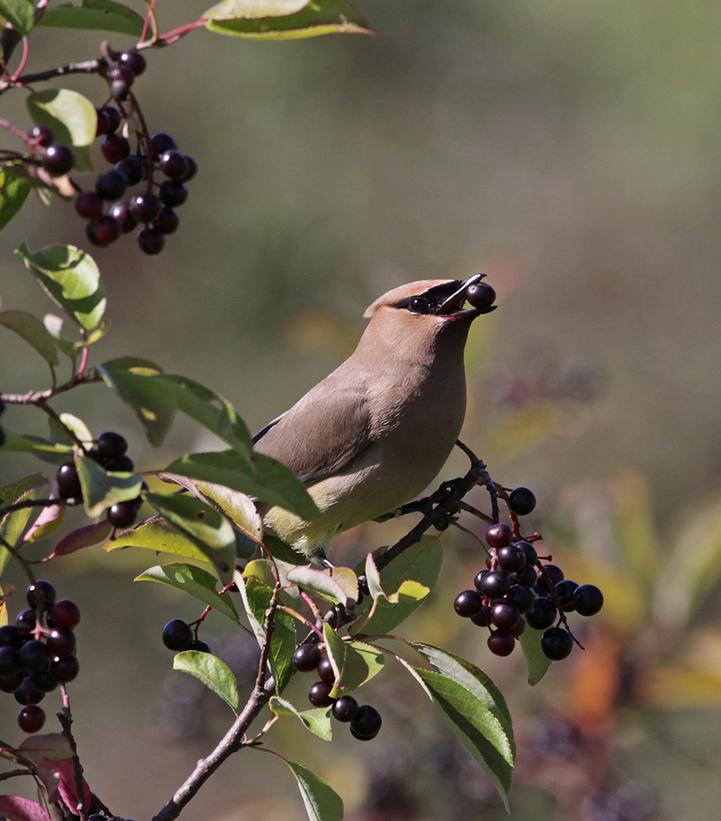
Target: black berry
[(172, 193), (529, 550), (160, 143), (550, 576), (111, 185), (33, 656), (109, 119), (504, 615), (467, 603), (587, 599), (133, 168), (122, 464), (306, 657), (325, 671), (319, 694), (564, 591), (522, 501), (134, 60), (61, 642), (518, 628), (65, 614), (9, 661), (177, 635), (345, 708), (499, 535), (483, 617), (366, 724), (481, 295), (111, 445), (42, 135), (115, 148), (556, 643), (121, 79), (58, 160), (145, 207), (121, 212), (167, 221), (103, 231), (521, 596), (151, 241), (64, 669), (123, 514), (9, 636), (28, 693), (10, 683), (541, 614), (31, 718), (525, 576), (68, 481), (44, 680), (89, 205), (501, 642), (40, 594), (479, 578), (200, 646), (494, 584), (26, 620), (172, 164), (510, 557), (192, 168)]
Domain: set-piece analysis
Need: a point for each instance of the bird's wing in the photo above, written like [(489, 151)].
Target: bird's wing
[(321, 434)]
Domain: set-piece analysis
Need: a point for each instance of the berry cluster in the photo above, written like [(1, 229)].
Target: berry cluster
[(110, 452), (34, 656), (365, 721), (516, 589), (178, 636), (154, 206)]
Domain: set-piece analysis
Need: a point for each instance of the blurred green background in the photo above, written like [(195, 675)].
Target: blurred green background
[(569, 150)]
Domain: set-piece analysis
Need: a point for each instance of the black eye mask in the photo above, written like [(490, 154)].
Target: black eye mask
[(430, 301)]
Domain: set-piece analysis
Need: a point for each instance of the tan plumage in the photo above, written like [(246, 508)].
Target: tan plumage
[(373, 434)]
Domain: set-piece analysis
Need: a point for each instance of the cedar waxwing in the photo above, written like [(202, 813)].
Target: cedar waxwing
[(375, 433)]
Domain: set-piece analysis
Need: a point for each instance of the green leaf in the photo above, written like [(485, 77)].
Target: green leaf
[(256, 598), (320, 582), (55, 452), (316, 720), (280, 550), (478, 729), (252, 9), (70, 116), (33, 332), (536, 660), (194, 581), (321, 802), (214, 673), (71, 278), (133, 380), (313, 19), (14, 190), (354, 662), (101, 489), (71, 424), (96, 15), (410, 577), (474, 680), (264, 570), (212, 411), (263, 478), (157, 535), (206, 528), (12, 525), (19, 13)]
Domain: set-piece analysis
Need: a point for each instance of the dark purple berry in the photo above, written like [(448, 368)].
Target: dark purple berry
[(494, 584), (33, 656), (172, 163), (103, 231), (68, 481), (134, 60), (121, 79), (110, 445), (65, 614), (521, 596), (133, 169), (109, 119), (529, 551), (8, 684), (510, 558), (499, 535), (177, 635), (122, 464), (480, 295), (518, 628), (58, 160), (89, 205), (319, 694), (479, 577), (121, 212), (366, 724), (200, 646), (467, 603), (483, 617), (504, 614), (151, 241), (522, 501), (9, 636), (306, 657), (31, 718), (9, 661), (501, 642), (325, 671), (587, 599), (172, 193), (160, 143), (123, 514), (556, 643), (64, 669), (167, 221), (42, 135), (345, 708), (526, 576), (145, 207), (115, 148), (541, 614), (28, 693), (26, 620), (61, 642), (40, 594), (550, 576), (111, 185), (44, 680), (563, 592), (192, 168)]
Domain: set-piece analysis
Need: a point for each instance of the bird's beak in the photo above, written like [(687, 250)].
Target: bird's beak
[(452, 306)]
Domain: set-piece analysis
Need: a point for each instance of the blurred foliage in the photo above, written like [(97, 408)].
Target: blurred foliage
[(569, 150)]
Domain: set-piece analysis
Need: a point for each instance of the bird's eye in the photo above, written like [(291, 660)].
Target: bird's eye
[(419, 305)]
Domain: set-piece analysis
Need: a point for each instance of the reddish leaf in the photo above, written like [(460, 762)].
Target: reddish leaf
[(65, 770), (85, 536), (16, 808)]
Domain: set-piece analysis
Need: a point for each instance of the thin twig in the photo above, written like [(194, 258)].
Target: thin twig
[(65, 717)]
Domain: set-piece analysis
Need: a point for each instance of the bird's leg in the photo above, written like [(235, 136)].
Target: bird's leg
[(417, 506)]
